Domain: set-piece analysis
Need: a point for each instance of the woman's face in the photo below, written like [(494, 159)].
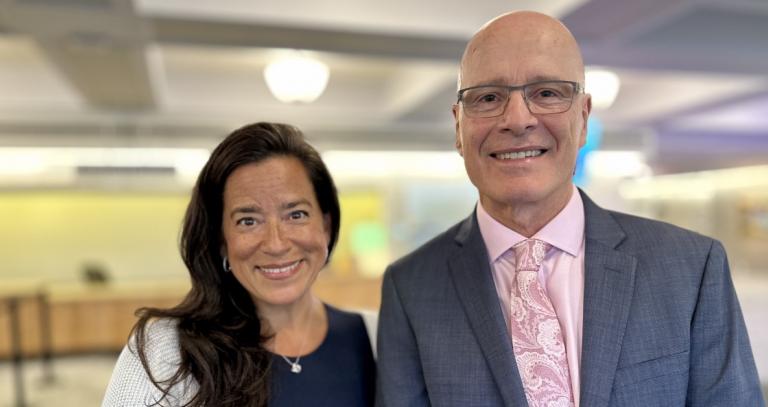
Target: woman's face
[(275, 235)]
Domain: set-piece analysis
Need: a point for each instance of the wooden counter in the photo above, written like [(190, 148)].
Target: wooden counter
[(98, 318)]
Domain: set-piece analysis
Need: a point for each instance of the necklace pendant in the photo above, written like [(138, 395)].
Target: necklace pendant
[(295, 368)]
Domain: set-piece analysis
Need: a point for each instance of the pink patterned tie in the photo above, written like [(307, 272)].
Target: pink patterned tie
[(536, 336)]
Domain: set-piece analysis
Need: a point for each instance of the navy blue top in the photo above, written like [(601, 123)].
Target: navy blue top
[(341, 372)]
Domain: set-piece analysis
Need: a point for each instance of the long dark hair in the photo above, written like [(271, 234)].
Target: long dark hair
[(221, 338)]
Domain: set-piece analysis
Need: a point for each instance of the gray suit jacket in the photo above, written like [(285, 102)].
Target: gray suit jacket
[(662, 325)]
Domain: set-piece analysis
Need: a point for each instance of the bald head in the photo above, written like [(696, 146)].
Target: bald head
[(522, 41)]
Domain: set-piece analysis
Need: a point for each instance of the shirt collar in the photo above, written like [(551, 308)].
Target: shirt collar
[(565, 231)]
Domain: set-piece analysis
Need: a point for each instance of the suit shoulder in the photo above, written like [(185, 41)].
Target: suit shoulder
[(429, 253), (660, 233)]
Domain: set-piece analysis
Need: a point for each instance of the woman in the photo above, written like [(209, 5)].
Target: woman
[(262, 221)]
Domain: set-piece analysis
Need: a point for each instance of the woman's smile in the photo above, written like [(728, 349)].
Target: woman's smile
[(280, 272)]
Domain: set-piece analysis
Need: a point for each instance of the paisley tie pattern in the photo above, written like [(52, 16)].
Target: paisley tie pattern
[(536, 336)]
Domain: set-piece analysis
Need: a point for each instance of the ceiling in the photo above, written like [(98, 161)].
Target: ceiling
[(183, 73)]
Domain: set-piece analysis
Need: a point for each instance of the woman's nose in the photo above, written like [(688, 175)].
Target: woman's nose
[(275, 241)]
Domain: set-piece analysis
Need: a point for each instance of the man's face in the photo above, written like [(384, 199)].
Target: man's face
[(503, 180)]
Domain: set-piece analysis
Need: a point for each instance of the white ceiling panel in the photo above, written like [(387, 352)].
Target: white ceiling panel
[(29, 82), (170, 72), (452, 18)]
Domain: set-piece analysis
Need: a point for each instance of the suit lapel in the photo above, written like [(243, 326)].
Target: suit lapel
[(609, 280), (474, 284)]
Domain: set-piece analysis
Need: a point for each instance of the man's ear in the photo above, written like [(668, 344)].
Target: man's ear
[(585, 110), (455, 111)]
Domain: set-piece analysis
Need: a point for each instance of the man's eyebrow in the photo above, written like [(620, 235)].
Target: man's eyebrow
[(539, 78), (502, 82), (492, 82)]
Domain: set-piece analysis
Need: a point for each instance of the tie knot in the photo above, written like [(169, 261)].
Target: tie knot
[(529, 254)]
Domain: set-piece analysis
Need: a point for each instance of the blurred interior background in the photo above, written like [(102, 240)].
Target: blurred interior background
[(108, 108)]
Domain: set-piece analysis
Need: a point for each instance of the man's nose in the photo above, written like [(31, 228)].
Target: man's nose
[(516, 116)]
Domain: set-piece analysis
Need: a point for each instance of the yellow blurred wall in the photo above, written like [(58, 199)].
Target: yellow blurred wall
[(53, 235), (47, 238)]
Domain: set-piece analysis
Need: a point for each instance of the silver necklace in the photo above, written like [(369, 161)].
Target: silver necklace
[(295, 366)]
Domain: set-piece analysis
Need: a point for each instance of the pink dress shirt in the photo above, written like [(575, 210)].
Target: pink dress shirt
[(561, 274)]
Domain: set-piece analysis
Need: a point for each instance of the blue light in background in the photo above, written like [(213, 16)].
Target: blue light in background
[(594, 137)]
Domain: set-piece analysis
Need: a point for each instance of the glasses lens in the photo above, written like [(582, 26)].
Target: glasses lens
[(540, 97), (484, 101), (549, 97)]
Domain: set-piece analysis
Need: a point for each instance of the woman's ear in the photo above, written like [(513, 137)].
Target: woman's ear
[(327, 226), (327, 230), (224, 258)]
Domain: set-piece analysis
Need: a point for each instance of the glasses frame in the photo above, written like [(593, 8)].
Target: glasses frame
[(577, 89)]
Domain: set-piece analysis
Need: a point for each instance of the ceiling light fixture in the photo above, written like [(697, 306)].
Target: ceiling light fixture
[(603, 85), (296, 77)]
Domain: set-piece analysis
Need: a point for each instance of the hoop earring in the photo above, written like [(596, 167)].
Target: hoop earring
[(225, 265)]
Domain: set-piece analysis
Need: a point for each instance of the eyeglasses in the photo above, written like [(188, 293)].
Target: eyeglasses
[(543, 97)]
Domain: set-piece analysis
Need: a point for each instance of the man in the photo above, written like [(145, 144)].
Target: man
[(597, 309)]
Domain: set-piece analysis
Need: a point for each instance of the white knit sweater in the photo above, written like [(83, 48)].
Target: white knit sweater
[(130, 385)]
